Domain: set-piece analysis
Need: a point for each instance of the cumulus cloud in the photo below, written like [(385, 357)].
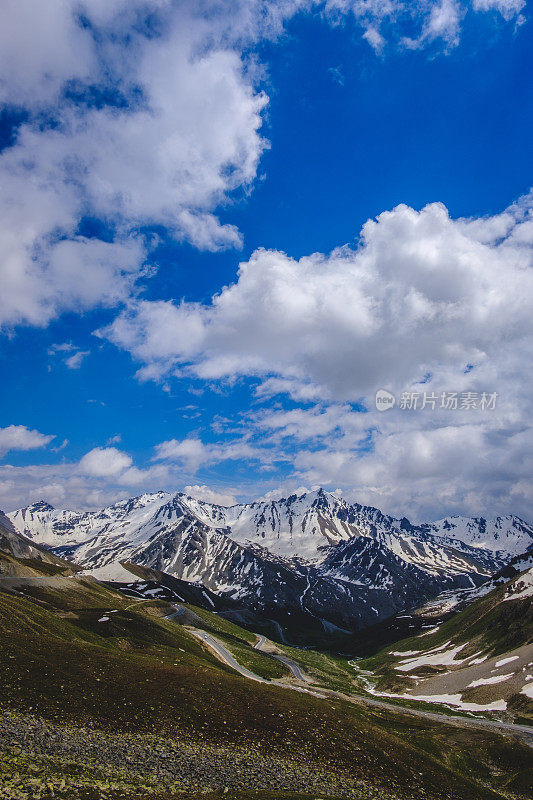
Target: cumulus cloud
[(102, 476), (75, 361), (509, 9), (115, 465), (59, 484), (422, 292), (19, 437), (192, 453), (422, 463), (143, 113), (40, 47), (442, 23), (103, 462), (175, 136), (42, 274)]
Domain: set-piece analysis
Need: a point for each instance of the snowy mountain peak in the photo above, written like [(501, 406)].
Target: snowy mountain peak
[(312, 553), (298, 526), (40, 505), (509, 534)]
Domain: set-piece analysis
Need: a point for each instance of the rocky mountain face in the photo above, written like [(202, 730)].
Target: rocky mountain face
[(14, 544), (309, 559)]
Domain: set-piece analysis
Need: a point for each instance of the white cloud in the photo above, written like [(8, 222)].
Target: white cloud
[(443, 22), (374, 38), (62, 347), (424, 463), (75, 361), (421, 464), (41, 46), (61, 446), (41, 276), (186, 139), (285, 490), (76, 357), (509, 9), (177, 135), (422, 293), (59, 484), (432, 472), (192, 453), (434, 21), (19, 437), (219, 497), (102, 476), (105, 462)]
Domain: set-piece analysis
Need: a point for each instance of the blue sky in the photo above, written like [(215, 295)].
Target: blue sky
[(228, 402)]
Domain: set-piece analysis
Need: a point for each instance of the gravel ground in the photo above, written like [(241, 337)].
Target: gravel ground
[(71, 760)]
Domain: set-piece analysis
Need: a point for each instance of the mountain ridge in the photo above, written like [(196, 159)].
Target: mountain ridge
[(312, 556), (362, 515)]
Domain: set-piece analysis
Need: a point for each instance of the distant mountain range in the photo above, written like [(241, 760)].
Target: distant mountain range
[(310, 559)]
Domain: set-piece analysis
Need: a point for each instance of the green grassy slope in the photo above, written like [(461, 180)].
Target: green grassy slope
[(327, 669), (142, 674), (238, 641), (490, 625), (18, 567)]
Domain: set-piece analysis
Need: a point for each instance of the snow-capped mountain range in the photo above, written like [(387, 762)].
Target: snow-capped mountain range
[(311, 555)]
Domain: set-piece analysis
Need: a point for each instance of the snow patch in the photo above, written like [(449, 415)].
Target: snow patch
[(506, 661), (490, 681), (407, 653), (432, 630), (521, 588), (442, 658)]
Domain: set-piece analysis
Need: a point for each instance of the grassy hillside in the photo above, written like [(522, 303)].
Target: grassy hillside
[(480, 657), (136, 674), (238, 641), (30, 567), (490, 625)]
